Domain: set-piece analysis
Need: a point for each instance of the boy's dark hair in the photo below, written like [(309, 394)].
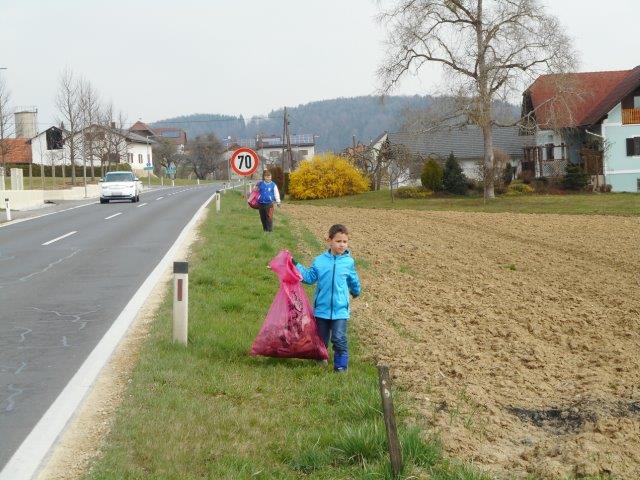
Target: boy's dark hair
[(266, 173), (337, 228)]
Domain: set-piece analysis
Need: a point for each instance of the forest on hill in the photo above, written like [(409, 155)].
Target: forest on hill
[(334, 121)]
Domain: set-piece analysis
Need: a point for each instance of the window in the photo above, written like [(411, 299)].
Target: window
[(139, 158), (633, 146), (549, 147), (636, 102), (130, 157), (304, 153)]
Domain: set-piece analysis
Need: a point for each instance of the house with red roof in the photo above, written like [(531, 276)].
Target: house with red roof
[(586, 118), (174, 135)]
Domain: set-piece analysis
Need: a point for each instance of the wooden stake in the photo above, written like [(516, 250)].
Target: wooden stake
[(395, 452)]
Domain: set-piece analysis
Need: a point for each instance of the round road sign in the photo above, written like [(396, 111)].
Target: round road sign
[(244, 161)]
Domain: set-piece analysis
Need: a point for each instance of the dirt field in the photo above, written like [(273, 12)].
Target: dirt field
[(517, 336)]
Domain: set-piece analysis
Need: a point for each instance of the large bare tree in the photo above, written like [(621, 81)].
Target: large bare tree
[(113, 142), (5, 120), (488, 50), (68, 103), (203, 155)]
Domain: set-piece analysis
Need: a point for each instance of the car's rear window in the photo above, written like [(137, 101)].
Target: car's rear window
[(119, 177)]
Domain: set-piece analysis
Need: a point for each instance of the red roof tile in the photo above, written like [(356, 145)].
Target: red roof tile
[(18, 150), (567, 100)]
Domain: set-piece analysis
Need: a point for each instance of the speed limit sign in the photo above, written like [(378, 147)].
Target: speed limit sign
[(244, 161)]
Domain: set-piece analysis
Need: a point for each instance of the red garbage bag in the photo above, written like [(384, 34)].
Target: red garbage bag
[(289, 330), (253, 199)]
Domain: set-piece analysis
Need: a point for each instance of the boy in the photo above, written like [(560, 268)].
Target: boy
[(336, 275)]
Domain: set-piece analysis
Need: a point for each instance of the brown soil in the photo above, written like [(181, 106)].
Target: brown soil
[(516, 336)]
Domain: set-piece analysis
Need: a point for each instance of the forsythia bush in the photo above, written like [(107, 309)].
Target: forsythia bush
[(326, 176), (517, 188)]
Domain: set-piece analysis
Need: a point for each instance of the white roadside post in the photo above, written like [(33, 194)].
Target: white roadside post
[(180, 302), (217, 200), (7, 205), (198, 181)]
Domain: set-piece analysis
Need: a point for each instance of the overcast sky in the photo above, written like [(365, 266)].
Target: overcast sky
[(157, 58)]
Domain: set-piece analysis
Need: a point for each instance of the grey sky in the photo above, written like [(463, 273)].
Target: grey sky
[(156, 59)]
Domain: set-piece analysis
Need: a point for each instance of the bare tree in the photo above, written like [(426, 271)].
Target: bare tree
[(89, 118), (113, 141), (488, 50), (400, 165), (5, 121), (68, 103), (204, 154)]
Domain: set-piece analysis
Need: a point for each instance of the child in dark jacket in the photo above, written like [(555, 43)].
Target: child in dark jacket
[(335, 273)]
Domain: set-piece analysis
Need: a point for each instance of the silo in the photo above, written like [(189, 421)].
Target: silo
[(26, 122)]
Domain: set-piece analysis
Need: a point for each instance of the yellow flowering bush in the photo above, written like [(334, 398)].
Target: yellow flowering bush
[(326, 176)]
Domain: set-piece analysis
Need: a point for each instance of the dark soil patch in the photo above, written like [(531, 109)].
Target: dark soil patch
[(558, 420)]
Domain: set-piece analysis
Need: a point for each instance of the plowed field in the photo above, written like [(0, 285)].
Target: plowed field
[(516, 336)]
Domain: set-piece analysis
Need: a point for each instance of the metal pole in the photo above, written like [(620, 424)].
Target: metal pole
[(180, 302), (7, 205), (395, 453)]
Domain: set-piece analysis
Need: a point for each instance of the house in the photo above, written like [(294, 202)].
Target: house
[(95, 143), (586, 118), (466, 144), (270, 147), (174, 135)]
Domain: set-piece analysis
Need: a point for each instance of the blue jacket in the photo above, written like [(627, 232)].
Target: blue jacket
[(268, 192), (336, 277)]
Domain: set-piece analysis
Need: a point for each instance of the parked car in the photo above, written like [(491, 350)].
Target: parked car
[(120, 186)]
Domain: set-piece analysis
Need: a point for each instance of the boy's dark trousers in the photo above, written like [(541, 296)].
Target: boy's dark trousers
[(266, 216)]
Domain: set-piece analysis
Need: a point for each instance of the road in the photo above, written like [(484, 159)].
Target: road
[(64, 279)]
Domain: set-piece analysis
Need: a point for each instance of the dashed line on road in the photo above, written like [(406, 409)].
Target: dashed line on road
[(59, 238), (159, 198), (114, 215), (141, 205)]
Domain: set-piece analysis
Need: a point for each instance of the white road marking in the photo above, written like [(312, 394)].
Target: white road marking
[(114, 215), (159, 198), (59, 238), (20, 220), (141, 205), (27, 458)]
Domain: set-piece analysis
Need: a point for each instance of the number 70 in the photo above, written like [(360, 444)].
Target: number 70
[(247, 160)]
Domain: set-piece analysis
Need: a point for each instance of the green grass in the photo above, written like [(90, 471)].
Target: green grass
[(212, 411), (580, 204), (58, 183)]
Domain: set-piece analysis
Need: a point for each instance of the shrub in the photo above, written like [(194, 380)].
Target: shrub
[(517, 188), (453, 180), (413, 192), (508, 173), (278, 178), (575, 178), (431, 177), (326, 176)]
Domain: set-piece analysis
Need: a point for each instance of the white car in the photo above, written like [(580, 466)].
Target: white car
[(120, 186)]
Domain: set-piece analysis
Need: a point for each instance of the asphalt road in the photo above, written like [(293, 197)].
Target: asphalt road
[(60, 292)]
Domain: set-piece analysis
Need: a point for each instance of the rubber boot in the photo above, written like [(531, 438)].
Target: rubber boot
[(340, 362)]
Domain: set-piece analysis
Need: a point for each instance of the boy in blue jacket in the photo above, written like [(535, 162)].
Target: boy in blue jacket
[(334, 271)]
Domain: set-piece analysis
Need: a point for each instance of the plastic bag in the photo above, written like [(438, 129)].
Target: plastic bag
[(253, 199), (289, 329)]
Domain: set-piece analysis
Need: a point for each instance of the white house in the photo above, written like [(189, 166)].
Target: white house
[(96, 144)]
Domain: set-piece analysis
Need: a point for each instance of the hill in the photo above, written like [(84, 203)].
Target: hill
[(335, 121)]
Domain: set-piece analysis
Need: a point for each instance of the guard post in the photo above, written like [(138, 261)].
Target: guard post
[(7, 205), (217, 200), (180, 302), (395, 452)]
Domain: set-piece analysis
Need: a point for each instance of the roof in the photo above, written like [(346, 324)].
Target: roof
[(626, 86), (179, 137), (465, 143), (574, 99), (18, 150), (134, 137), (141, 126)]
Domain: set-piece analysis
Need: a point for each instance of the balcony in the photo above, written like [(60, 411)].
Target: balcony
[(630, 116)]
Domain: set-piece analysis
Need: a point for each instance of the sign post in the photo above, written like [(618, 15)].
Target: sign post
[(244, 161), (148, 167)]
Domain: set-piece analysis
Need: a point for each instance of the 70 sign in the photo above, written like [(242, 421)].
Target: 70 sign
[(244, 161)]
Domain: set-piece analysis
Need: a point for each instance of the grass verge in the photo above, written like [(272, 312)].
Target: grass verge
[(213, 411), (626, 204)]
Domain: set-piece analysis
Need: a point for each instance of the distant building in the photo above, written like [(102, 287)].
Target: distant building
[(16, 151), (177, 136), (270, 147)]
